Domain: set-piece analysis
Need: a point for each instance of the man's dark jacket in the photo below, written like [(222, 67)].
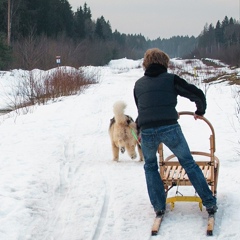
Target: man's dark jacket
[(156, 94)]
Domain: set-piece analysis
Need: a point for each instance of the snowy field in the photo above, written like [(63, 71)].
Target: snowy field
[(58, 180)]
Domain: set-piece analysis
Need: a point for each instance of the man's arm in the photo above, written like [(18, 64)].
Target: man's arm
[(191, 92)]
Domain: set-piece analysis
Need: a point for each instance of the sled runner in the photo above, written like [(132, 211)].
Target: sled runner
[(173, 175)]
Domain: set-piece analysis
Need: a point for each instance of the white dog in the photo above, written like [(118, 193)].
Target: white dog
[(123, 133)]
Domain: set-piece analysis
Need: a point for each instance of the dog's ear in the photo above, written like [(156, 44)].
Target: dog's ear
[(112, 121), (129, 119)]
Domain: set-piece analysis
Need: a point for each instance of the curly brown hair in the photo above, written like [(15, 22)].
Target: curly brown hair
[(155, 55)]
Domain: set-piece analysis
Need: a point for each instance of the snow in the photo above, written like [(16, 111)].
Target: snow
[(58, 180)]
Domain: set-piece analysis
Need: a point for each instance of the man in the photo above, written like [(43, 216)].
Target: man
[(155, 95)]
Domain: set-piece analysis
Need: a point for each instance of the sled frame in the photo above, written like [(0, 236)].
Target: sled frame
[(173, 174)]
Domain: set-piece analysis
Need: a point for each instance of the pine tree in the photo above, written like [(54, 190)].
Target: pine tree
[(103, 29), (82, 22), (219, 34)]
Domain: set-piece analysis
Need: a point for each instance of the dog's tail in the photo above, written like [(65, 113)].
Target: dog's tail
[(118, 110)]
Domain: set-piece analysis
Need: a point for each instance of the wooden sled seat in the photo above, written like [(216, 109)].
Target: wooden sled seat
[(173, 174)]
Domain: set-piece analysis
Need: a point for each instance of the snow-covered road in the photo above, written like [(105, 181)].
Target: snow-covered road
[(58, 180)]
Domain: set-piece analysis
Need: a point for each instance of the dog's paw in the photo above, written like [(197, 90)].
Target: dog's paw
[(122, 149), (115, 159), (133, 156)]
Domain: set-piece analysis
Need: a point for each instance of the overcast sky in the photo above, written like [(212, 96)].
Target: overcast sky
[(160, 18)]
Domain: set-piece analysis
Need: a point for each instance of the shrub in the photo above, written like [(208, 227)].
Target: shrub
[(39, 89)]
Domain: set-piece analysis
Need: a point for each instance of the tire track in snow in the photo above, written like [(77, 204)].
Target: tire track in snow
[(72, 191), (64, 191), (103, 214), (66, 194)]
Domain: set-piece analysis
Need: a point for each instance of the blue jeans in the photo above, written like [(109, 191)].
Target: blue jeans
[(174, 139)]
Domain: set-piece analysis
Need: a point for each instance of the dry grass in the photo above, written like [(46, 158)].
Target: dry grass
[(39, 90), (63, 83), (232, 78)]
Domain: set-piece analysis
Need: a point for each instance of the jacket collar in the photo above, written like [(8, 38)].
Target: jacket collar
[(154, 70)]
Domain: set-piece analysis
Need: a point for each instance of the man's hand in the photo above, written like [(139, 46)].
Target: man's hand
[(197, 116)]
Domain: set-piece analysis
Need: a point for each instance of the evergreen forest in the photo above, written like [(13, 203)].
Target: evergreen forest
[(34, 32)]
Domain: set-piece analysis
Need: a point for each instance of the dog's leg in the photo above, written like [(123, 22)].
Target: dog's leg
[(121, 145), (131, 151), (115, 151)]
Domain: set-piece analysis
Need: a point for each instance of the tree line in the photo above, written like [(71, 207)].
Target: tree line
[(220, 42), (34, 32)]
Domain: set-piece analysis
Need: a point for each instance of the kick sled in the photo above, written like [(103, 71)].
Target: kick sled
[(173, 175)]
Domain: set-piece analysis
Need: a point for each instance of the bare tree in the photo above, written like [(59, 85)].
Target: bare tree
[(9, 23), (13, 6)]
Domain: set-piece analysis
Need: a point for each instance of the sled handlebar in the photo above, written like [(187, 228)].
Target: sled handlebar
[(206, 121)]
